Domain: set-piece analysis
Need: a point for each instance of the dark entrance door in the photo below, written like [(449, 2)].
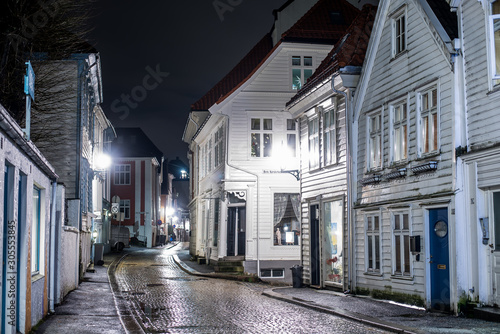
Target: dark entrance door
[(315, 247), (439, 259), (236, 231)]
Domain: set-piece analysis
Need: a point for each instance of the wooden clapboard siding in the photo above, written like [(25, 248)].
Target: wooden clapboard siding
[(390, 81)]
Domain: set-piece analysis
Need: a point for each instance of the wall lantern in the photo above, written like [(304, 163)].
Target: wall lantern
[(371, 180), (424, 168), (396, 174)]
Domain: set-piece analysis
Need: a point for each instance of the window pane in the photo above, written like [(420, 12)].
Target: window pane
[(405, 222), (398, 254), (434, 132), (396, 222), (255, 145), (307, 75), (290, 138), (296, 60), (308, 61), (255, 124), (404, 144), (376, 228), (369, 223), (290, 124), (407, 253), (265, 273), (425, 133), (268, 124), (370, 252), (296, 78), (268, 143), (377, 253)]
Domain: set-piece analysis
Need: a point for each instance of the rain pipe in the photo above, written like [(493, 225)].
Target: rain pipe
[(258, 193), (348, 172), (52, 295)]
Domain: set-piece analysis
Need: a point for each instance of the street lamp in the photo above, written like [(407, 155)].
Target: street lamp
[(284, 158)]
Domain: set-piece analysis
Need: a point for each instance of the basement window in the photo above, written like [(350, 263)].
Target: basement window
[(277, 273)]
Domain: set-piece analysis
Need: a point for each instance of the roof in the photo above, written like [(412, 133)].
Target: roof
[(324, 23), (350, 51), (134, 143)]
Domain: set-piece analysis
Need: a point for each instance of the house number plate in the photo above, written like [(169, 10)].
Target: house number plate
[(441, 266)]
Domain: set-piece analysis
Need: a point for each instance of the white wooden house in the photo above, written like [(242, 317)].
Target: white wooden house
[(321, 111), (478, 155), (247, 206), (404, 217)]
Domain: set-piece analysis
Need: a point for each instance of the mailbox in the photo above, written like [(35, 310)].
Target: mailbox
[(415, 244)]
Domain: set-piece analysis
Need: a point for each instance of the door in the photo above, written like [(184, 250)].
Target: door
[(495, 248), (315, 246), (236, 231), (439, 259)]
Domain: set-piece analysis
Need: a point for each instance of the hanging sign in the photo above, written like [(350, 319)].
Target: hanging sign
[(29, 81)]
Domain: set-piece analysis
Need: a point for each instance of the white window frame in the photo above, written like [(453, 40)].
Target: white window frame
[(219, 146), (401, 233), (313, 140), (124, 205), (291, 133), (118, 172), (396, 38), (329, 135), (398, 152), (493, 72), (372, 162), (372, 232), (38, 233), (302, 67), (261, 132), (422, 114)]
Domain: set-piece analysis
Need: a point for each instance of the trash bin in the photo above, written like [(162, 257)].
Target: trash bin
[(297, 276), (98, 254)]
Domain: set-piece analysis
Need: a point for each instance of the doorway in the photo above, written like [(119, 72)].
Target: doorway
[(495, 244), (315, 245), (236, 231), (439, 259)]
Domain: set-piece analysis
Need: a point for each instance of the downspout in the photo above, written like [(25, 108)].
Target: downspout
[(52, 294), (258, 193), (348, 172)]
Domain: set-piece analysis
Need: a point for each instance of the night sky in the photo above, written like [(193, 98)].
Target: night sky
[(159, 57)]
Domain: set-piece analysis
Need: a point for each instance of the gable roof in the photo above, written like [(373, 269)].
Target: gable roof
[(446, 17), (134, 143), (324, 23), (350, 51)]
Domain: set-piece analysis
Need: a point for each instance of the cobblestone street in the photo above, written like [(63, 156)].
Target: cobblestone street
[(164, 299)]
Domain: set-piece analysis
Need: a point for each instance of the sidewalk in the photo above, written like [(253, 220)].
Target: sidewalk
[(385, 315)]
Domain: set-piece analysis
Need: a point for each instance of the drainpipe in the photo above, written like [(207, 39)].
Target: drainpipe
[(52, 294), (350, 76)]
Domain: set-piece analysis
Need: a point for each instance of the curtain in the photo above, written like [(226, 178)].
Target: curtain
[(280, 202)]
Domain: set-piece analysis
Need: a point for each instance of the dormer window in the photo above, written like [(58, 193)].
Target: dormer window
[(302, 69)]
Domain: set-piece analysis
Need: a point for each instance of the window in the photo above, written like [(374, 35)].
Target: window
[(333, 213), (125, 208), (313, 132), (494, 35), (37, 233), (301, 70), (218, 147), (329, 136), (372, 242), (261, 137), (428, 110), (122, 174), (375, 141), (398, 33), (216, 221), (272, 272), (286, 219), (399, 132), (401, 244), (291, 137)]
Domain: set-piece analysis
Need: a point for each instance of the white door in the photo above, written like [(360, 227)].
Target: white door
[(494, 242)]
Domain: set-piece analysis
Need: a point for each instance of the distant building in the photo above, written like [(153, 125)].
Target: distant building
[(136, 177)]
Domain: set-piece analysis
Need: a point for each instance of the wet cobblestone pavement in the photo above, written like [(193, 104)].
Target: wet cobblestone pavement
[(164, 299)]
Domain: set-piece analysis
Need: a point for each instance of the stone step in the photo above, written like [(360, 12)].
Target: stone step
[(230, 263), (228, 269)]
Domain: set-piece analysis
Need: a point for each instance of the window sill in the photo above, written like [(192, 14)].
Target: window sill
[(374, 275), (427, 156), (408, 279), (36, 276), (399, 56)]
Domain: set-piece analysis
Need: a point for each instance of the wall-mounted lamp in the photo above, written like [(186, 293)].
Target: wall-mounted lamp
[(371, 180), (427, 167), (396, 174)]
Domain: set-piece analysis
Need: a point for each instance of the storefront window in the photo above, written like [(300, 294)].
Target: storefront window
[(332, 220), (286, 219)]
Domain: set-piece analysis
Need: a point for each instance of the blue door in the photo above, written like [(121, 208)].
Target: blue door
[(439, 259)]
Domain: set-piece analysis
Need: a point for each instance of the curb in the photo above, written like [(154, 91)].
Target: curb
[(366, 320)]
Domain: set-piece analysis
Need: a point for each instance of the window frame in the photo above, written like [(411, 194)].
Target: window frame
[(404, 248), (261, 132), (395, 41), (330, 151), (370, 264), (283, 235), (394, 126), (493, 72), (38, 233), (302, 67), (372, 164), (314, 137), (291, 132), (117, 175), (124, 205), (423, 113)]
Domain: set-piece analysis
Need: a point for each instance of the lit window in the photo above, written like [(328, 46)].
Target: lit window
[(122, 174), (125, 208), (329, 136), (291, 137), (286, 219), (372, 239), (401, 244), (218, 146), (399, 132), (399, 33), (301, 70), (375, 141), (37, 232), (313, 132), (261, 137), (429, 130)]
